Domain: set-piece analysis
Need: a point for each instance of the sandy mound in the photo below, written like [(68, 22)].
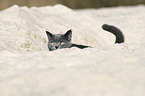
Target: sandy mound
[(27, 68)]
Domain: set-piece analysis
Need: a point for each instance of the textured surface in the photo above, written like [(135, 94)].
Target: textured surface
[(27, 68)]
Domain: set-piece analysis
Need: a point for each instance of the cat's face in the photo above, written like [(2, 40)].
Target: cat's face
[(59, 41)]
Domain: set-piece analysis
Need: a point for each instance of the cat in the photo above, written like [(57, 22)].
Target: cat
[(60, 41)]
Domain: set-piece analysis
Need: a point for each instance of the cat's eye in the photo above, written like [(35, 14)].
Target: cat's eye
[(52, 43), (62, 43)]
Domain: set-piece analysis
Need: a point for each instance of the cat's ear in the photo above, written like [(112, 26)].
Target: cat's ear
[(68, 35), (49, 35)]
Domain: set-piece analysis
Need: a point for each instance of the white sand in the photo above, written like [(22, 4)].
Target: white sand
[(27, 68)]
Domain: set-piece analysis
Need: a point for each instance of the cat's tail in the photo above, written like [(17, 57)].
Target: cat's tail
[(117, 32)]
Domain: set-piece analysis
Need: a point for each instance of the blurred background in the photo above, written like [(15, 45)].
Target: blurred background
[(74, 4)]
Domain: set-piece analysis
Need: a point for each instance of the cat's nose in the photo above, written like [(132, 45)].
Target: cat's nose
[(56, 47)]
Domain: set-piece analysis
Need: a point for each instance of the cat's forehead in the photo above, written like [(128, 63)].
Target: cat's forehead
[(58, 38)]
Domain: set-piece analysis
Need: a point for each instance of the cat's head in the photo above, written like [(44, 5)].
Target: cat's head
[(59, 41)]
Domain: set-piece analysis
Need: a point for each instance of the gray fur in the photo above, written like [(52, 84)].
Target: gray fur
[(59, 41), (114, 30)]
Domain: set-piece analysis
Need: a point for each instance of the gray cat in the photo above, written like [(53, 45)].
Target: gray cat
[(59, 41)]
